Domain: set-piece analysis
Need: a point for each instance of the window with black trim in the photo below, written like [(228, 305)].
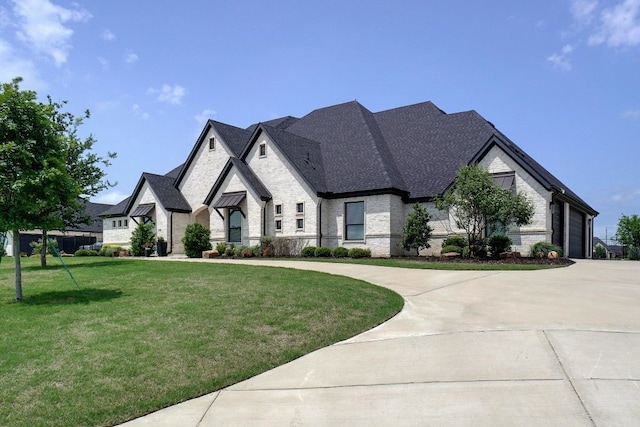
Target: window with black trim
[(354, 221), (262, 150), (278, 209), (126, 223), (300, 208), (300, 224), (235, 226), (113, 223), (212, 143), (278, 225)]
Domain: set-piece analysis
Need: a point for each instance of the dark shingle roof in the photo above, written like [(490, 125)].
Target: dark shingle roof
[(117, 210), (169, 196), (235, 137)]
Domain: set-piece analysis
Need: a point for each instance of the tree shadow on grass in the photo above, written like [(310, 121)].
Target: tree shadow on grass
[(72, 266), (76, 296)]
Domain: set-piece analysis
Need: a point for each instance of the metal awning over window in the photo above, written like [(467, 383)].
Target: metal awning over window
[(230, 200), (143, 210), (505, 180)]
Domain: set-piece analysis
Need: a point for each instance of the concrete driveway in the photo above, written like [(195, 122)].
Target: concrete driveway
[(542, 348)]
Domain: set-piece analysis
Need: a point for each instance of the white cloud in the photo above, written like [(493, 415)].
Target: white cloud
[(104, 62), (631, 114), (620, 25), (12, 66), (107, 35), (168, 94), (110, 197), (561, 60), (41, 26), (137, 111), (583, 10), (130, 57), (205, 115)]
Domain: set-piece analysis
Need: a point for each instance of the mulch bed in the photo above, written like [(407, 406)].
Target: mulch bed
[(491, 261)]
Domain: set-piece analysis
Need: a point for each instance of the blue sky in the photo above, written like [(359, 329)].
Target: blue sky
[(561, 78)]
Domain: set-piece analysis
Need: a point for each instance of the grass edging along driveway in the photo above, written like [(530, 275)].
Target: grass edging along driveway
[(138, 336)]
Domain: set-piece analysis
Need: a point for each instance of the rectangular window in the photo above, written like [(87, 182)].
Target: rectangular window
[(119, 223), (126, 223), (113, 223), (263, 150), (235, 226), (300, 224), (212, 143), (354, 221), (278, 209), (300, 208), (278, 225)]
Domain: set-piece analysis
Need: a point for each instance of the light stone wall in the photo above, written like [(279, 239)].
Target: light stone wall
[(287, 188), (117, 235), (204, 170), (540, 228), (178, 223)]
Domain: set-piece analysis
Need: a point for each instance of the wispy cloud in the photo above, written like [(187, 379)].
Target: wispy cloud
[(205, 115), (583, 11), (169, 94), (41, 25), (619, 25), (107, 35), (111, 197), (12, 65), (138, 112), (626, 196), (561, 60), (103, 62), (130, 57), (631, 114)]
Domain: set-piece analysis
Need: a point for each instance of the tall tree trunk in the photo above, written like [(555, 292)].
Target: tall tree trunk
[(16, 257), (43, 251)]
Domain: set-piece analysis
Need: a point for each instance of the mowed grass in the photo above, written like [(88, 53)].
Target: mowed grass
[(436, 265), (142, 335)]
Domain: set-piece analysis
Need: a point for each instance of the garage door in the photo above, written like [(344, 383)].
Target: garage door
[(576, 234)]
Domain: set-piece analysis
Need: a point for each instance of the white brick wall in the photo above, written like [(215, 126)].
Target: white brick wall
[(119, 235)]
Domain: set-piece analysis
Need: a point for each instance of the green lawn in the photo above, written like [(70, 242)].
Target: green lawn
[(140, 335), (436, 265)]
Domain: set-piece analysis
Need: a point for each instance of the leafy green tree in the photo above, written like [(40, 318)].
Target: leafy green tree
[(417, 231), (33, 173), (143, 236), (476, 201), (628, 233), (197, 238), (599, 252)]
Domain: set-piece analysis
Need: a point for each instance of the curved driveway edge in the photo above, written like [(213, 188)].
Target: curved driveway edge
[(553, 347)]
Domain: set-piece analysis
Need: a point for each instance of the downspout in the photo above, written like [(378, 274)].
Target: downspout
[(264, 217), (170, 234), (319, 227)]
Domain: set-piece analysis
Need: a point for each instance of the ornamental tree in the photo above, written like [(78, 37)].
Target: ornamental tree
[(475, 201), (628, 232), (37, 188), (417, 231)]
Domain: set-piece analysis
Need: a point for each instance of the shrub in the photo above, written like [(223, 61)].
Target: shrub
[(340, 252), (266, 242), (599, 252), (499, 243), (143, 236), (36, 247), (108, 250), (221, 247), (544, 248), (85, 252), (286, 247), (196, 240), (323, 252), (360, 253), (239, 251), (230, 250), (308, 252), (451, 248), (455, 240), (634, 253), (256, 250)]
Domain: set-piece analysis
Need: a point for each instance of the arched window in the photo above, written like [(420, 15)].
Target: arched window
[(235, 226)]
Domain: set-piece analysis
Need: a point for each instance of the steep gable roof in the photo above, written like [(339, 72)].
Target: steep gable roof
[(246, 173), (116, 210), (167, 195)]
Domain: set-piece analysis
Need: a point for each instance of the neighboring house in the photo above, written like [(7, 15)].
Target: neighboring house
[(69, 240), (613, 251), (342, 175)]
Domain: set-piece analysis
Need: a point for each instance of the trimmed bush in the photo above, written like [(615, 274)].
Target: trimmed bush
[(634, 253), (455, 240), (221, 247), (196, 240), (323, 252), (360, 253), (85, 252), (36, 247), (142, 237), (544, 248), (308, 252), (108, 250), (451, 248), (499, 243), (599, 252), (340, 252)]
